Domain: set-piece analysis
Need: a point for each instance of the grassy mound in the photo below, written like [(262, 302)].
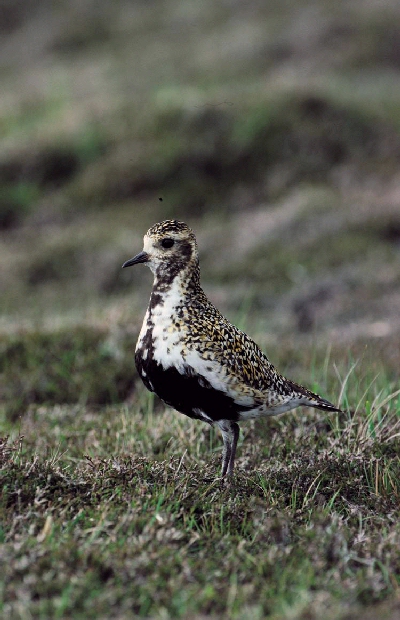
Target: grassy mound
[(81, 365)]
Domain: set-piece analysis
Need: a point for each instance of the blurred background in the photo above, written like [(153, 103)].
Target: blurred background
[(271, 128)]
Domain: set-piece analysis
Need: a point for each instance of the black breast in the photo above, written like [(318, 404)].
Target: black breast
[(187, 391)]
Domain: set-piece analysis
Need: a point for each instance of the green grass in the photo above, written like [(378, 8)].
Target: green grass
[(117, 511), (78, 365), (16, 202)]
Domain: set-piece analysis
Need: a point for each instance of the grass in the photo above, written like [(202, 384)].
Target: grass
[(117, 511), (15, 203), (81, 365)]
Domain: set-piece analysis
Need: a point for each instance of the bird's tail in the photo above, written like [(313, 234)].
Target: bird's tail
[(310, 399), (322, 403)]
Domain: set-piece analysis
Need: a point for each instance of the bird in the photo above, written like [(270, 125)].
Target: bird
[(193, 358)]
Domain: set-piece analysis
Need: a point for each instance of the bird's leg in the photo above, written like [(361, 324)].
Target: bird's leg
[(230, 435), (226, 454), (235, 437)]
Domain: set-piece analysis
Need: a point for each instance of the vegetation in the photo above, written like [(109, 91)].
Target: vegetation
[(117, 510), (80, 365), (273, 129)]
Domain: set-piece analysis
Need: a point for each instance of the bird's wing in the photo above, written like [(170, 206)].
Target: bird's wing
[(232, 362)]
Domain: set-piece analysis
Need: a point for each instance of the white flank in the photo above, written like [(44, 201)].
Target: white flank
[(264, 410)]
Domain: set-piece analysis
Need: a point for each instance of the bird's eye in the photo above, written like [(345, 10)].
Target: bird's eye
[(167, 243)]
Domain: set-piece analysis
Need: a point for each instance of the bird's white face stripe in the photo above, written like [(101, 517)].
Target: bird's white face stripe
[(148, 248)]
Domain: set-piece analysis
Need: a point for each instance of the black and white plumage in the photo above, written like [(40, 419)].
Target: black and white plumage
[(193, 358)]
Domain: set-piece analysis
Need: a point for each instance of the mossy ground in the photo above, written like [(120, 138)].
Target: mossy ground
[(116, 510)]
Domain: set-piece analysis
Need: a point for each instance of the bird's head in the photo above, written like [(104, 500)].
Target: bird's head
[(168, 248)]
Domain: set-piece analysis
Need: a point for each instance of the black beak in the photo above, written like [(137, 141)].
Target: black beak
[(142, 257)]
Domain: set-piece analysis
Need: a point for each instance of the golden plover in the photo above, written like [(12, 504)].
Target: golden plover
[(193, 358)]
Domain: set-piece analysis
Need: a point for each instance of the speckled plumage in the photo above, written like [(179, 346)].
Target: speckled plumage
[(193, 358)]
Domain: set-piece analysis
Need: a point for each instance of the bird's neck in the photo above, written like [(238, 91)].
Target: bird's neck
[(185, 283), (186, 280)]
